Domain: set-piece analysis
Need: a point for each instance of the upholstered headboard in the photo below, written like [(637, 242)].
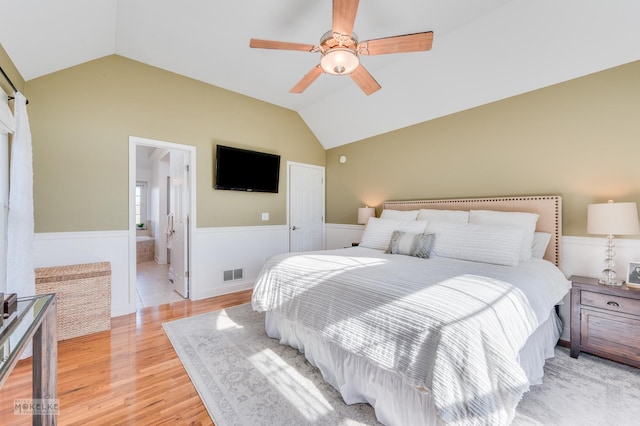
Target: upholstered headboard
[(549, 207)]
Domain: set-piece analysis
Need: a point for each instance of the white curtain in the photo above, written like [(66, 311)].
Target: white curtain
[(7, 125), (20, 238)]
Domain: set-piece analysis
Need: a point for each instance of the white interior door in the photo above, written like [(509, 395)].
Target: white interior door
[(178, 221), (306, 207)]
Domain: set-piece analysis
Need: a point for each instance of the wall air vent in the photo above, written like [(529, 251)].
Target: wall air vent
[(233, 274)]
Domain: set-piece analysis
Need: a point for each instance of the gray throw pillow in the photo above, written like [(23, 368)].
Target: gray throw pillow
[(417, 245)]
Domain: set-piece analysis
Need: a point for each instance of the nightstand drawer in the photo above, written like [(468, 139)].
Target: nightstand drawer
[(605, 321), (608, 334), (610, 303)]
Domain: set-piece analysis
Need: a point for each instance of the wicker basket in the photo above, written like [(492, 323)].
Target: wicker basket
[(84, 297)]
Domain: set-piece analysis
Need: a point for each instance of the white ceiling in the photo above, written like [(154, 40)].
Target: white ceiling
[(482, 51)]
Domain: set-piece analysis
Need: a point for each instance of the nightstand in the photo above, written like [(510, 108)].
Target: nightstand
[(605, 321)]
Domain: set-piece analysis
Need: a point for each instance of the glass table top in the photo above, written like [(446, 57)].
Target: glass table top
[(17, 331)]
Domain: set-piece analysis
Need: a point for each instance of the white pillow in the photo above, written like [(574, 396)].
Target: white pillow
[(378, 231), (526, 221), (399, 214), (417, 245), (540, 243), (456, 216), (498, 245), (413, 226)]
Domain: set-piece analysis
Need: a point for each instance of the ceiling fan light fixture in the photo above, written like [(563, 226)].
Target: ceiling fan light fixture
[(340, 50), (339, 61)]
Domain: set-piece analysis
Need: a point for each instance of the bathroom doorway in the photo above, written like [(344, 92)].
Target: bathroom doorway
[(161, 218)]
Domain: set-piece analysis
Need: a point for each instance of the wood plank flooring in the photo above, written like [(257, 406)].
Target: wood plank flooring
[(129, 375)]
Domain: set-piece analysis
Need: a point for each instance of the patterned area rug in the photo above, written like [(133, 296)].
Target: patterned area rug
[(245, 378)]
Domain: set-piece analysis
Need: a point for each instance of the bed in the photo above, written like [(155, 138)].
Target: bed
[(445, 313)]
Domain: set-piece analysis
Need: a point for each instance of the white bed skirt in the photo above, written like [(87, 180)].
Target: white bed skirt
[(394, 401)]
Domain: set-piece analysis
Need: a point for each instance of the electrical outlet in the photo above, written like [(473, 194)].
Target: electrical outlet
[(265, 216)]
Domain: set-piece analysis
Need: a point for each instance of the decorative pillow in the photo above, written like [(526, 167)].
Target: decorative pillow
[(417, 245), (526, 221), (498, 245), (456, 216), (399, 214), (540, 243), (378, 231)]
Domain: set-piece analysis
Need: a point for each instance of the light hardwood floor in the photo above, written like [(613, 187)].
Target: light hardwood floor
[(129, 375)]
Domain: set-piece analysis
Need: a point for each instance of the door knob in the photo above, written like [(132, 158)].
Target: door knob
[(293, 228)]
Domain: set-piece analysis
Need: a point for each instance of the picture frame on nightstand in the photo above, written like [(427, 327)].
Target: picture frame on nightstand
[(633, 276)]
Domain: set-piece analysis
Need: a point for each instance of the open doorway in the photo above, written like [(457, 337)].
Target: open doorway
[(161, 206)]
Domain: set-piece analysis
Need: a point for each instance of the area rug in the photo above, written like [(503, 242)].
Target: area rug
[(245, 378)]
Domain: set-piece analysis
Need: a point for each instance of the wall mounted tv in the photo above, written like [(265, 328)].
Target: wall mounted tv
[(244, 170)]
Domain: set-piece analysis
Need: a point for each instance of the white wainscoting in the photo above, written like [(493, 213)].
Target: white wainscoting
[(225, 248), (73, 248), (338, 235), (228, 248), (585, 256), (216, 250)]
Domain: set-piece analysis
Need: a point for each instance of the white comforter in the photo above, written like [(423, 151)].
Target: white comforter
[(448, 327)]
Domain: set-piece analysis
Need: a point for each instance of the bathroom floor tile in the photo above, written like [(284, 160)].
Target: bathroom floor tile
[(152, 285)]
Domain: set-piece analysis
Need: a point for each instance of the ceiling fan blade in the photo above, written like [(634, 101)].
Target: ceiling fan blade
[(306, 81), (367, 83), (398, 44), (344, 16), (282, 45)]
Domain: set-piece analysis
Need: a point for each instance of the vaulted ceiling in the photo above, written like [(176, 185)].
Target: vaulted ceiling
[(482, 51)]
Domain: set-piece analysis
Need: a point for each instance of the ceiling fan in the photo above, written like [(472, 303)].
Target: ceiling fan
[(340, 49)]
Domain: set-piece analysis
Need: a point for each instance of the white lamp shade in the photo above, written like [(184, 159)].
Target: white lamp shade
[(613, 219), (364, 213)]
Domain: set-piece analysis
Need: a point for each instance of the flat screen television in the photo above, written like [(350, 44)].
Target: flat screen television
[(245, 170)]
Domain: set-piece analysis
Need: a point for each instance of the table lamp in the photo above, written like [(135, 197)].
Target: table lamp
[(612, 219), (364, 213)]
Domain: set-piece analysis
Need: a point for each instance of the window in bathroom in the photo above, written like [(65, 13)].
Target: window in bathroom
[(141, 205)]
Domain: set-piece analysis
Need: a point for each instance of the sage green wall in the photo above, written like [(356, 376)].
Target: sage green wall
[(579, 139), (81, 119)]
